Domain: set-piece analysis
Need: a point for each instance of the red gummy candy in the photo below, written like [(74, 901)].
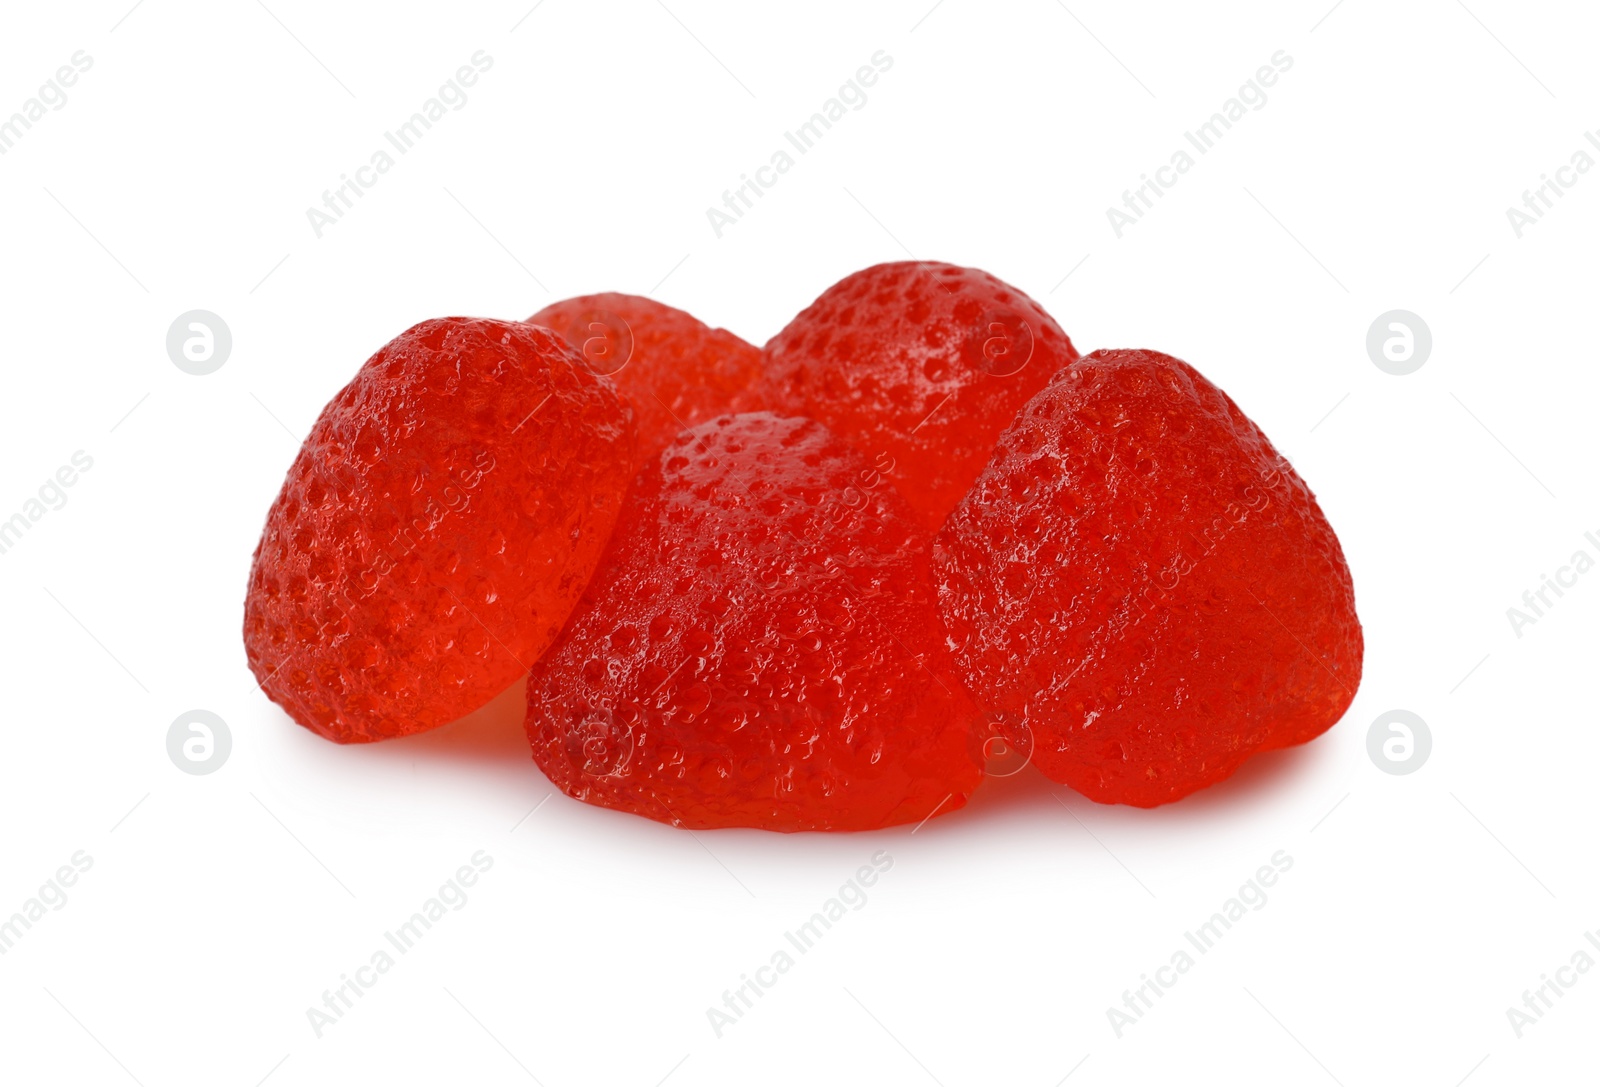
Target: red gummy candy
[(760, 647), (922, 365), (437, 527), (1142, 590), (674, 370)]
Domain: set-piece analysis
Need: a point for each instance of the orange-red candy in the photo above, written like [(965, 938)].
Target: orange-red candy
[(674, 370), (920, 365), (759, 648), (1141, 590), (437, 527)]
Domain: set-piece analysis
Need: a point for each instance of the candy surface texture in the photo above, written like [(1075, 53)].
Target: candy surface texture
[(437, 527), (920, 365), (1141, 590), (760, 647), (673, 370)]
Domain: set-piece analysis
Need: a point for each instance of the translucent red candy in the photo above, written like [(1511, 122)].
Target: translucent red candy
[(797, 588), (759, 648), (1142, 590), (921, 365), (437, 527), (674, 370)]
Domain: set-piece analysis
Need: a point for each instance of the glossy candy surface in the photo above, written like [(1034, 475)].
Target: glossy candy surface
[(1142, 590), (759, 648), (673, 370), (920, 365), (436, 528)]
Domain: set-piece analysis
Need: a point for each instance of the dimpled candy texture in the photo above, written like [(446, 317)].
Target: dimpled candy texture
[(674, 370), (1141, 590), (435, 530), (920, 365), (760, 647)]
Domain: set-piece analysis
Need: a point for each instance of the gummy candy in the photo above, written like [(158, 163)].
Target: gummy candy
[(920, 365), (1141, 590), (759, 648), (436, 528)]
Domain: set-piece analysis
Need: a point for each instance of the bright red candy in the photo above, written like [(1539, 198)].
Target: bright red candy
[(437, 527), (760, 647), (921, 365), (1142, 590), (674, 370)]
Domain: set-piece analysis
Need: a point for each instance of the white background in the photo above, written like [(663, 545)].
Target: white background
[(219, 908)]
